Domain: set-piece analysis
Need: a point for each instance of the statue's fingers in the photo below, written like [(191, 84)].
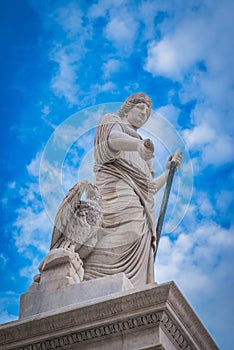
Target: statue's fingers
[(170, 158)]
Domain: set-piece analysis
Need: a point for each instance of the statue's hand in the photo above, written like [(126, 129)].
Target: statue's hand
[(177, 157), (144, 152)]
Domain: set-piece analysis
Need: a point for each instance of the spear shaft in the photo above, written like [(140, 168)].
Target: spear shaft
[(164, 203)]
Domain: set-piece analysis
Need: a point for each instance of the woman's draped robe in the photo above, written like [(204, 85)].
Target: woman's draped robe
[(126, 241)]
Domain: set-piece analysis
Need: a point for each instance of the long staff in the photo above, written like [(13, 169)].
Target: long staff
[(165, 201)]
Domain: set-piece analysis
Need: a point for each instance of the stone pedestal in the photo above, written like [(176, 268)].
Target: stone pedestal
[(154, 317), (44, 298)]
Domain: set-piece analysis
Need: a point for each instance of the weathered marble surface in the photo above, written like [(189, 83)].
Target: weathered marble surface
[(74, 236), (113, 230), (125, 178), (61, 267), (54, 295), (154, 317), (78, 220)]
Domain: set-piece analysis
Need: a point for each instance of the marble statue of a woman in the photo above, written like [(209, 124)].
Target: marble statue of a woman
[(124, 177)]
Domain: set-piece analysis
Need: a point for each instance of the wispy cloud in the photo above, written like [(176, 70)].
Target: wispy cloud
[(64, 83), (67, 47), (216, 148), (200, 261), (7, 299), (3, 260), (31, 227), (123, 38), (204, 73), (110, 67), (7, 317), (207, 243)]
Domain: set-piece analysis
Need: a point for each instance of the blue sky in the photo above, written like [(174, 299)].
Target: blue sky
[(59, 58)]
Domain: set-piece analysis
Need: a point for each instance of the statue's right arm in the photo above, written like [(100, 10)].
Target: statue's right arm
[(120, 141)]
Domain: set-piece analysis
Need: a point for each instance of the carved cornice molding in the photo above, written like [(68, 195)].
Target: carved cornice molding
[(174, 332), (120, 306), (116, 328), (188, 318), (157, 305)]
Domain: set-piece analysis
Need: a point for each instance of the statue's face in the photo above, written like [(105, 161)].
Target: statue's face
[(138, 115)]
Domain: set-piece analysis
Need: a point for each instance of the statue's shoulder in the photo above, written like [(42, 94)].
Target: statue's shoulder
[(109, 118)]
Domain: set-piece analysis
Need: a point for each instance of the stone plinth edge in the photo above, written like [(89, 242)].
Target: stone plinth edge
[(156, 309)]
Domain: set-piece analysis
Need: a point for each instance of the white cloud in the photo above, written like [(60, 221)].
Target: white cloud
[(7, 299), (59, 168), (106, 87), (33, 229), (64, 83), (224, 199), (69, 18), (65, 135), (62, 156), (68, 48), (147, 11), (101, 8), (51, 187), (67, 36), (122, 26), (3, 261), (117, 31), (121, 15), (5, 316), (195, 257), (220, 152), (197, 35), (206, 208), (34, 166), (12, 185), (200, 135), (216, 148), (45, 110), (177, 52), (110, 67), (170, 112), (196, 48), (31, 270), (164, 58)]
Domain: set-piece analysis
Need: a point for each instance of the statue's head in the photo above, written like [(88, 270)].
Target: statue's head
[(131, 101)]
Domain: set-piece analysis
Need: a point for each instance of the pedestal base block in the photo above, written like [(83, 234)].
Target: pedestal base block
[(156, 317), (44, 300)]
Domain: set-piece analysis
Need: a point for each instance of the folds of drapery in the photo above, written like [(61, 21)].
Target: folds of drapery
[(126, 241)]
